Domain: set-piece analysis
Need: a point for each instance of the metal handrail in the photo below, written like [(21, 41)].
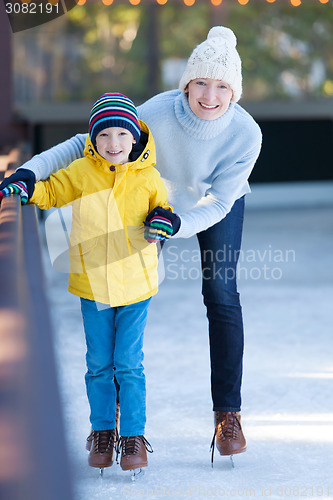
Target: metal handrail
[(33, 459)]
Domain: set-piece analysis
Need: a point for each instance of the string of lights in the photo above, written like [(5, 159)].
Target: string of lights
[(190, 3)]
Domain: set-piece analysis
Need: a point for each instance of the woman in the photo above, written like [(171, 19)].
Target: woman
[(206, 148)]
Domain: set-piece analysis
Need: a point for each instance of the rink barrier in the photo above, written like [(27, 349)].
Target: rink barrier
[(34, 463)]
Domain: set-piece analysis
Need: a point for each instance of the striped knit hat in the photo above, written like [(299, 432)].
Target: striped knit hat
[(113, 110)]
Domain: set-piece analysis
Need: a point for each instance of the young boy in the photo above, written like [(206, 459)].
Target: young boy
[(112, 267)]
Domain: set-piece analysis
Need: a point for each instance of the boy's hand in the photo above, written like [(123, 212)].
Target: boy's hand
[(160, 224), (16, 188), (21, 175)]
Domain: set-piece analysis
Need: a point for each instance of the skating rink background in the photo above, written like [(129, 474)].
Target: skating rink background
[(286, 285)]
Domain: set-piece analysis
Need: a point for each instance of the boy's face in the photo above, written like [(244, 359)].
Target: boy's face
[(115, 144)]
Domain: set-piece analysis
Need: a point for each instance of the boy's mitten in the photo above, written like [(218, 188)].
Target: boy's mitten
[(16, 188), (160, 224), (21, 175)]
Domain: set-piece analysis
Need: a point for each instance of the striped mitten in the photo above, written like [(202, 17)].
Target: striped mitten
[(160, 225), (16, 188)]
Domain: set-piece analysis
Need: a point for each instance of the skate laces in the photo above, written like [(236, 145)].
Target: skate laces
[(227, 427), (104, 441), (131, 445)]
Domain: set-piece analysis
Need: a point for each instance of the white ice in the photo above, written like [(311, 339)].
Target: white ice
[(286, 285)]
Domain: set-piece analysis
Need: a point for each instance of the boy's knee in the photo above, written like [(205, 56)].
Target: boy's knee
[(100, 367)]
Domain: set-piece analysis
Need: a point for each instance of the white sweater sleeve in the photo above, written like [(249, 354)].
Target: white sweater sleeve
[(60, 156), (226, 188)]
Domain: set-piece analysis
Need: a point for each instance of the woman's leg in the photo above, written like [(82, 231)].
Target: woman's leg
[(220, 246), (99, 327), (128, 357)]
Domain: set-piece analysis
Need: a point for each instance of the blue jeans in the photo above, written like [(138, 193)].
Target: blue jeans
[(114, 338), (220, 246)]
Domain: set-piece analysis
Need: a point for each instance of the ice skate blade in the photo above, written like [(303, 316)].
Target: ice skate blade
[(137, 474), (101, 473)]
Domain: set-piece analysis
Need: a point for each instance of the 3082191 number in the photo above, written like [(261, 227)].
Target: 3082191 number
[(31, 8)]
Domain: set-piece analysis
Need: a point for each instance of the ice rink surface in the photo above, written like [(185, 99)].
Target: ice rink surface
[(286, 285)]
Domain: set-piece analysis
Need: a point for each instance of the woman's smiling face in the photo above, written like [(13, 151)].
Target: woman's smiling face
[(208, 99)]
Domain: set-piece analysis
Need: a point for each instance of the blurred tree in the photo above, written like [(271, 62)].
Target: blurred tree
[(286, 51), (107, 60)]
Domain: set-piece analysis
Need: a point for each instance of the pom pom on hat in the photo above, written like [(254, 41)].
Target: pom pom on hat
[(113, 110), (216, 58), (222, 32)]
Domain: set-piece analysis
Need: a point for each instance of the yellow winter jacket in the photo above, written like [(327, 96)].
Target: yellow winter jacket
[(110, 261)]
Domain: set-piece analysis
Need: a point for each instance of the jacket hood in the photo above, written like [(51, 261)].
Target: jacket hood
[(143, 153)]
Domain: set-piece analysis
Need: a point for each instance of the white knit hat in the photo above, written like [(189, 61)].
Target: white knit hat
[(216, 58)]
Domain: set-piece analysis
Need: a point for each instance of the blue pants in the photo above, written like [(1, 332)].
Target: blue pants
[(114, 338), (220, 246)]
